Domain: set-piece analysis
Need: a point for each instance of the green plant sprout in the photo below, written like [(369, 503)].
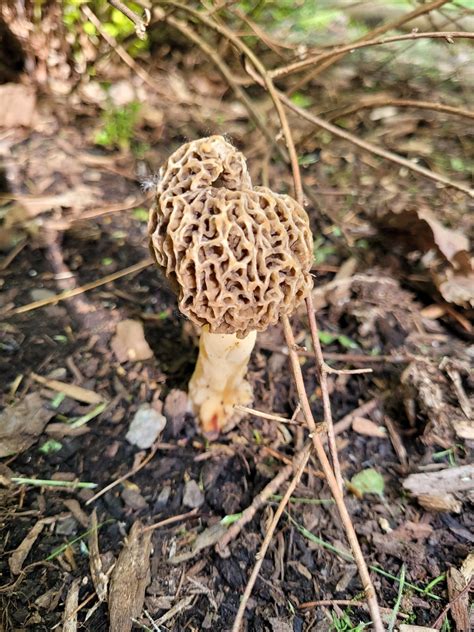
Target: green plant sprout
[(118, 126)]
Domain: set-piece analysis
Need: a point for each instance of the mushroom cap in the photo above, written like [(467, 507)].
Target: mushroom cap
[(238, 256)]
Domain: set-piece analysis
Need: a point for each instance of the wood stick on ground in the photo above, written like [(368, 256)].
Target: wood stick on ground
[(268, 538), (449, 36), (261, 498), (322, 370), (380, 30), (137, 267), (376, 102), (332, 482)]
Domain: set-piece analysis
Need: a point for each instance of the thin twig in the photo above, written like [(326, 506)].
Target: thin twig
[(332, 482), (268, 538), (323, 371), (449, 36), (380, 30), (140, 25), (141, 265), (130, 473), (376, 102), (120, 50), (269, 490), (170, 520), (269, 416)]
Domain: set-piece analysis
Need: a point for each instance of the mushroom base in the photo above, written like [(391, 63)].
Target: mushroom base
[(218, 382)]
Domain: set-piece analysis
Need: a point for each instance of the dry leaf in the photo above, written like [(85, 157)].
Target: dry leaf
[(440, 502), (367, 427), (18, 105), (19, 555), (130, 577), (70, 607), (129, 342), (450, 242), (458, 288), (459, 603), (21, 425)]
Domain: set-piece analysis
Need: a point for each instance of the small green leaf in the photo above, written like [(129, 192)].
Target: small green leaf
[(51, 447), (301, 100), (326, 337), (347, 342), (230, 519), (107, 261), (57, 400), (141, 214), (368, 482)]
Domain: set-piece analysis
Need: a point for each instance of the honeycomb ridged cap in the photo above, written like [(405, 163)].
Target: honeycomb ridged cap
[(239, 256)]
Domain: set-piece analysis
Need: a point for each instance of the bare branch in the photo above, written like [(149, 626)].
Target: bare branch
[(140, 24), (449, 36)]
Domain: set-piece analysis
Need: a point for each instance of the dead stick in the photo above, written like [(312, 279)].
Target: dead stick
[(300, 65), (141, 265), (321, 368), (268, 538), (332, 482), (409, 103)]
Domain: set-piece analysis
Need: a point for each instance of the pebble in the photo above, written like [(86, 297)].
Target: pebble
[(146, 426), (193, 496)]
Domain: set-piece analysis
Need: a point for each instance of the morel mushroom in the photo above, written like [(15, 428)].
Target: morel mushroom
[(238, 257)]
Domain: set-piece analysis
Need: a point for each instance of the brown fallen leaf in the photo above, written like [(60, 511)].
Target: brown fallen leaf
[(459, 602), (411, 531), (450, 242), (75, 508), (20, 554), (129, 342), (70, 607), (440, 502), (457, 288), (446, 251), (21, 424), (369, 428), (130, 577), (18, 105)]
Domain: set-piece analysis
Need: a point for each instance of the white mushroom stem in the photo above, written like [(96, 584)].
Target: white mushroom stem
[(218, 382)]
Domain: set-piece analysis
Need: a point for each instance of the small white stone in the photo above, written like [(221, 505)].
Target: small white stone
[(193, 496), (146, 425)]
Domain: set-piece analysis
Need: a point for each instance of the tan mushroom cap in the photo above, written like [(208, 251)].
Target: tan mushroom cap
[(238, 256)]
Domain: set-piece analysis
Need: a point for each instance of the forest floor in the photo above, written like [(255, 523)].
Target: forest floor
[(75, 214)]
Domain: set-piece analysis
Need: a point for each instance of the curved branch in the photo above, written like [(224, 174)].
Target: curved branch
[(409, 103), (449, 36)]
